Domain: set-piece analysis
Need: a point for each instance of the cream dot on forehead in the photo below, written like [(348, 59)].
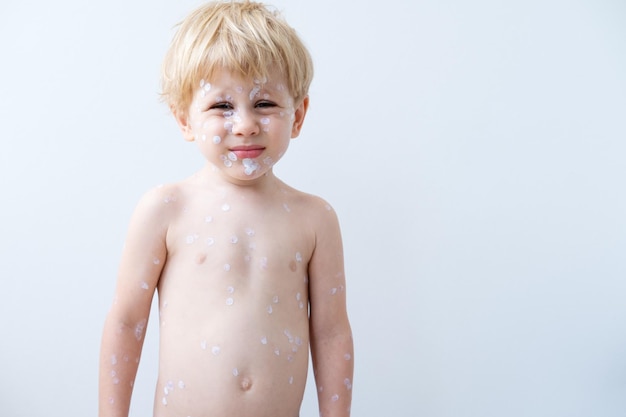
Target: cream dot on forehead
[(254, 92)]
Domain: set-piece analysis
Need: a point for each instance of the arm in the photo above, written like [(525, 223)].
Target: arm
[(122, 339), (330, 333)]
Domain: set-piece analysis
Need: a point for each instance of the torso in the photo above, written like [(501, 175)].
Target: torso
[(233, 303)]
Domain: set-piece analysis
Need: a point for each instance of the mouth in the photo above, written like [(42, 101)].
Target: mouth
[(252, 151)]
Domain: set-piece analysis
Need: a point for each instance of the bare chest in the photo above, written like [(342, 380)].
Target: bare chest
[(217, 247)]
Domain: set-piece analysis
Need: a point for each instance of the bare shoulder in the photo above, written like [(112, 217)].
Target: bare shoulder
[(316, 210), (159, 205), (311, 201)]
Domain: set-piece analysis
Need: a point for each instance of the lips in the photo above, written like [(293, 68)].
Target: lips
[(243, 152)]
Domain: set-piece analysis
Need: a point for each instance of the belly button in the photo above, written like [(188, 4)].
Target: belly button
[(246, 384)]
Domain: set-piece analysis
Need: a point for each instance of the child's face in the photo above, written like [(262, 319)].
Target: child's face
[(242, 126)]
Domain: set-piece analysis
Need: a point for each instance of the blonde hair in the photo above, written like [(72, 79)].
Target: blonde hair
[(240, 36)]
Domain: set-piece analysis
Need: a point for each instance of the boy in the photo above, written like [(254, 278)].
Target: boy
[(249, 271)]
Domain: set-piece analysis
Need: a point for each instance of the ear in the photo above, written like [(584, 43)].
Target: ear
[(299, 115), (182, 119)]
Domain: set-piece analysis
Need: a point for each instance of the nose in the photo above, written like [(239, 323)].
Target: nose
[(244, 124)]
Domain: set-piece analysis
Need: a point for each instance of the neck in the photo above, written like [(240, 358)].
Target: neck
[(213, 177)]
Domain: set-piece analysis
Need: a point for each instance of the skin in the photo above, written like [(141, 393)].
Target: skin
[(237, 258)]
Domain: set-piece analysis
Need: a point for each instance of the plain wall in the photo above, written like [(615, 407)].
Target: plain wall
[(474, 151)]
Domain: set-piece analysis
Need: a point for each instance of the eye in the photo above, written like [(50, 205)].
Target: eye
[(265, 104), (221, 106)]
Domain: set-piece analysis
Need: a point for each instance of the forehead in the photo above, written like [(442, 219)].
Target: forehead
[(222, 79)]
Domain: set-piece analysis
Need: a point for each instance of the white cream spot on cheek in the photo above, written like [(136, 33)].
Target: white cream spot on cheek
[(181, 384), (290, 380), (347, 356), (250, 232), (216, 350), (225, 207), (113, 359), (203, 345), (268, 160), (235, 371), (144, 285), (216, 139), (234, 239), (210, 241), (230, 301), (226, 267), (298, 257), (269, 309), (265, 120), (264, 340), (208, 219), (232, 156), (156, 261), (335, 397)]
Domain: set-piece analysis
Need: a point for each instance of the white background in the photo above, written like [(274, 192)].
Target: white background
[(474, 152)]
